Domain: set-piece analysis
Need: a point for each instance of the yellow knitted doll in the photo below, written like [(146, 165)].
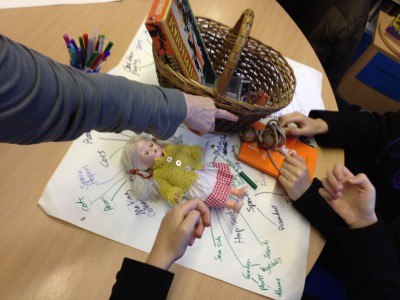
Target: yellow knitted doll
[(176, 171)]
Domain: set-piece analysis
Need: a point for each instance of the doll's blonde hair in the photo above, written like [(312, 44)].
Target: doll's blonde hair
[(144, 186)]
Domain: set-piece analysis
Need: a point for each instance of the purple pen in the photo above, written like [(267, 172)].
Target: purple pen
[(67, 40), (79, 58)]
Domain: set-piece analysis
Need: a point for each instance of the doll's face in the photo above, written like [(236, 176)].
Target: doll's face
[(147, 151)]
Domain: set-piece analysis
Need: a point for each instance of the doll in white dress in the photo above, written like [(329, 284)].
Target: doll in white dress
[(175, 171)]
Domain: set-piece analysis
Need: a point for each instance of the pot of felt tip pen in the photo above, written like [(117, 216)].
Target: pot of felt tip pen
[(91, 54)]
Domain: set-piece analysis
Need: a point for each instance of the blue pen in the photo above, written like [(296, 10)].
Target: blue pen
[(72, 55), (235, 167), (74, 44)]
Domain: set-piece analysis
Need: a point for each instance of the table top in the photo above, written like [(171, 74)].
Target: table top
[(46, 258), (388, 44)]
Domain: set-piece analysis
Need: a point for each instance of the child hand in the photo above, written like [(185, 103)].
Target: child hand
[(352, 197), (181, 225), (305, 126), (294, 176)]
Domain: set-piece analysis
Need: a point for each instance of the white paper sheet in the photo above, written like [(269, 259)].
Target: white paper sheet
[(263, 248), (32, 3)]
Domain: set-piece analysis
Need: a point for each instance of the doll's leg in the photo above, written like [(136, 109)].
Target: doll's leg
[(234, 205), (240, 193)]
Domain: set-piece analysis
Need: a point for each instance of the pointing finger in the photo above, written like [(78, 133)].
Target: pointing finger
[(224, 114)]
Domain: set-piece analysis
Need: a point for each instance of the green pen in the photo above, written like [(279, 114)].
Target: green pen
[(92, 59), (82, 44), (110, 44), (235, 167)]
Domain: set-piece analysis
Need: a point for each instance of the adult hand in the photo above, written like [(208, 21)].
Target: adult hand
[(202, 112), (352, 197), (294, 176), (181, 225), (305, 126)]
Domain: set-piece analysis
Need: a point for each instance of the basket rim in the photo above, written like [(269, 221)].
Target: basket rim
[(222, 101)]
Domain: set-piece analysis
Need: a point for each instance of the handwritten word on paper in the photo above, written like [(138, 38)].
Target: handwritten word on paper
[(263, 248), (248, 249)]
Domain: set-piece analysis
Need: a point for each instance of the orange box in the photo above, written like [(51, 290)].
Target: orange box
[(177, 39), (258, 157)]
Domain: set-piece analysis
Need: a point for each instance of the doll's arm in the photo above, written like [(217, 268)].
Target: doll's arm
[(169, 192), (196, 153)]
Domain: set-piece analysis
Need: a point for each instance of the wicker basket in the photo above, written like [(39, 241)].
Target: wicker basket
[(234, 53)]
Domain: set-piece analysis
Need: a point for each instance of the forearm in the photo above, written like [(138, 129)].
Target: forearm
[(42, 100), (320, 215), (134, 276), (372, 267), (358, 130)]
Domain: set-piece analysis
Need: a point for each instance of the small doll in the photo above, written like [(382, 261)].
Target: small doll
[(174, 171)]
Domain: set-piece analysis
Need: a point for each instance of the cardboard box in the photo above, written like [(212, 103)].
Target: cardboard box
[(177, 39), (373, 81)]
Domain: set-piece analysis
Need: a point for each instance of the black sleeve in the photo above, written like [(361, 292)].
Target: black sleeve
[(372, 267), (358, 130), (368, 256), (153, 283), (315, 209)]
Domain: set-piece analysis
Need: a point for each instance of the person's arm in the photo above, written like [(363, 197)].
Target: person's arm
[(372, 267), (179, 228), (42, 100), (346, 129), (294, 177), (136, 278), (359, 130)]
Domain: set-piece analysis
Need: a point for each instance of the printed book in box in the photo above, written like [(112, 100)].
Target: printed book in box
[(177, 39), (258, 157), (394, 27)]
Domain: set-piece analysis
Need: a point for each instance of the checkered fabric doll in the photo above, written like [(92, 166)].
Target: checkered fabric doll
[(175, 171)]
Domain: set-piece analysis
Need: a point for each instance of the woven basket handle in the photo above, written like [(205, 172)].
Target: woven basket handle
[(242, 31)]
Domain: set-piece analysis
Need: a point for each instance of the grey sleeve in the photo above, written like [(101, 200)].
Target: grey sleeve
[(42, 100)]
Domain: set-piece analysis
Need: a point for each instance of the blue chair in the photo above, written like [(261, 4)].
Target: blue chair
[(322, 285)]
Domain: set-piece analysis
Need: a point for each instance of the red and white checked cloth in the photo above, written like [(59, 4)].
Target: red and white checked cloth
[(222, 188)]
